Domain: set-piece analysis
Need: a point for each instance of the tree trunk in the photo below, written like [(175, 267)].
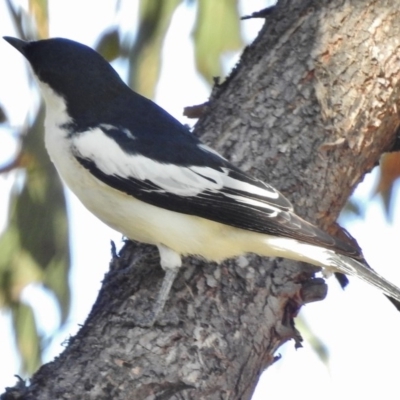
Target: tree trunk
[(310, 109)]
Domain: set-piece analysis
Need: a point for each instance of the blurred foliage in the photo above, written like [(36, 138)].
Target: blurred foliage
[(39, 11), (213, 38), (389, 172), (145, 54), (109, 44), (35, 247), (3, 116), (314, 341), (27, 338), (353, 208)]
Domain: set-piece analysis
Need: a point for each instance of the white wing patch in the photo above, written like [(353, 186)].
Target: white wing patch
[(183, 181), (208, 149), (252, 202), (127, 132)]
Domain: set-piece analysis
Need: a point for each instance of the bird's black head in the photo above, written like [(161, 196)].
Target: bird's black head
[(75, 71)]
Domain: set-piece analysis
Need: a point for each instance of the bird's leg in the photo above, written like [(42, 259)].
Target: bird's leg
[(170, 263), (169, 278)]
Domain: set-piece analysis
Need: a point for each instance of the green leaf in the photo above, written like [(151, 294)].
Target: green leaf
[(17, 268), (41, 216), (40, 12), (35, 246), (3, 117), (27, 338), (353, 209), (315, 342), (389, 173), (217, 31), (145, 56), (108, 44)]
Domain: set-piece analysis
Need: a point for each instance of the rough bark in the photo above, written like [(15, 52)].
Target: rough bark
[(310, 108)]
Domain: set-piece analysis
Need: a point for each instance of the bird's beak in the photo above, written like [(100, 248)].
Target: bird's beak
[(19, 44)]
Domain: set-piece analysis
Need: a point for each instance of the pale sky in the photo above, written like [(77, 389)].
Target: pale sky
[(359, 326)]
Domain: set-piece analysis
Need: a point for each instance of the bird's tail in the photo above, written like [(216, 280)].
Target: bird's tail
[(362, 271), (330, 260)]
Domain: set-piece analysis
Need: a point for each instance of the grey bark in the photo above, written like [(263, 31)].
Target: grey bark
[(310, 108)]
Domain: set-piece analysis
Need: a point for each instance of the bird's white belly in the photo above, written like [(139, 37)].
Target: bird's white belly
[(146, 223)]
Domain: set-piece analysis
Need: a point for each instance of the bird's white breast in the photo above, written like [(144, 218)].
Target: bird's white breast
[(116, 209)]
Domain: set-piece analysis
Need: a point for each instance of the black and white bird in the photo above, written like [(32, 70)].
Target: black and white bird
[(145, 175)]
